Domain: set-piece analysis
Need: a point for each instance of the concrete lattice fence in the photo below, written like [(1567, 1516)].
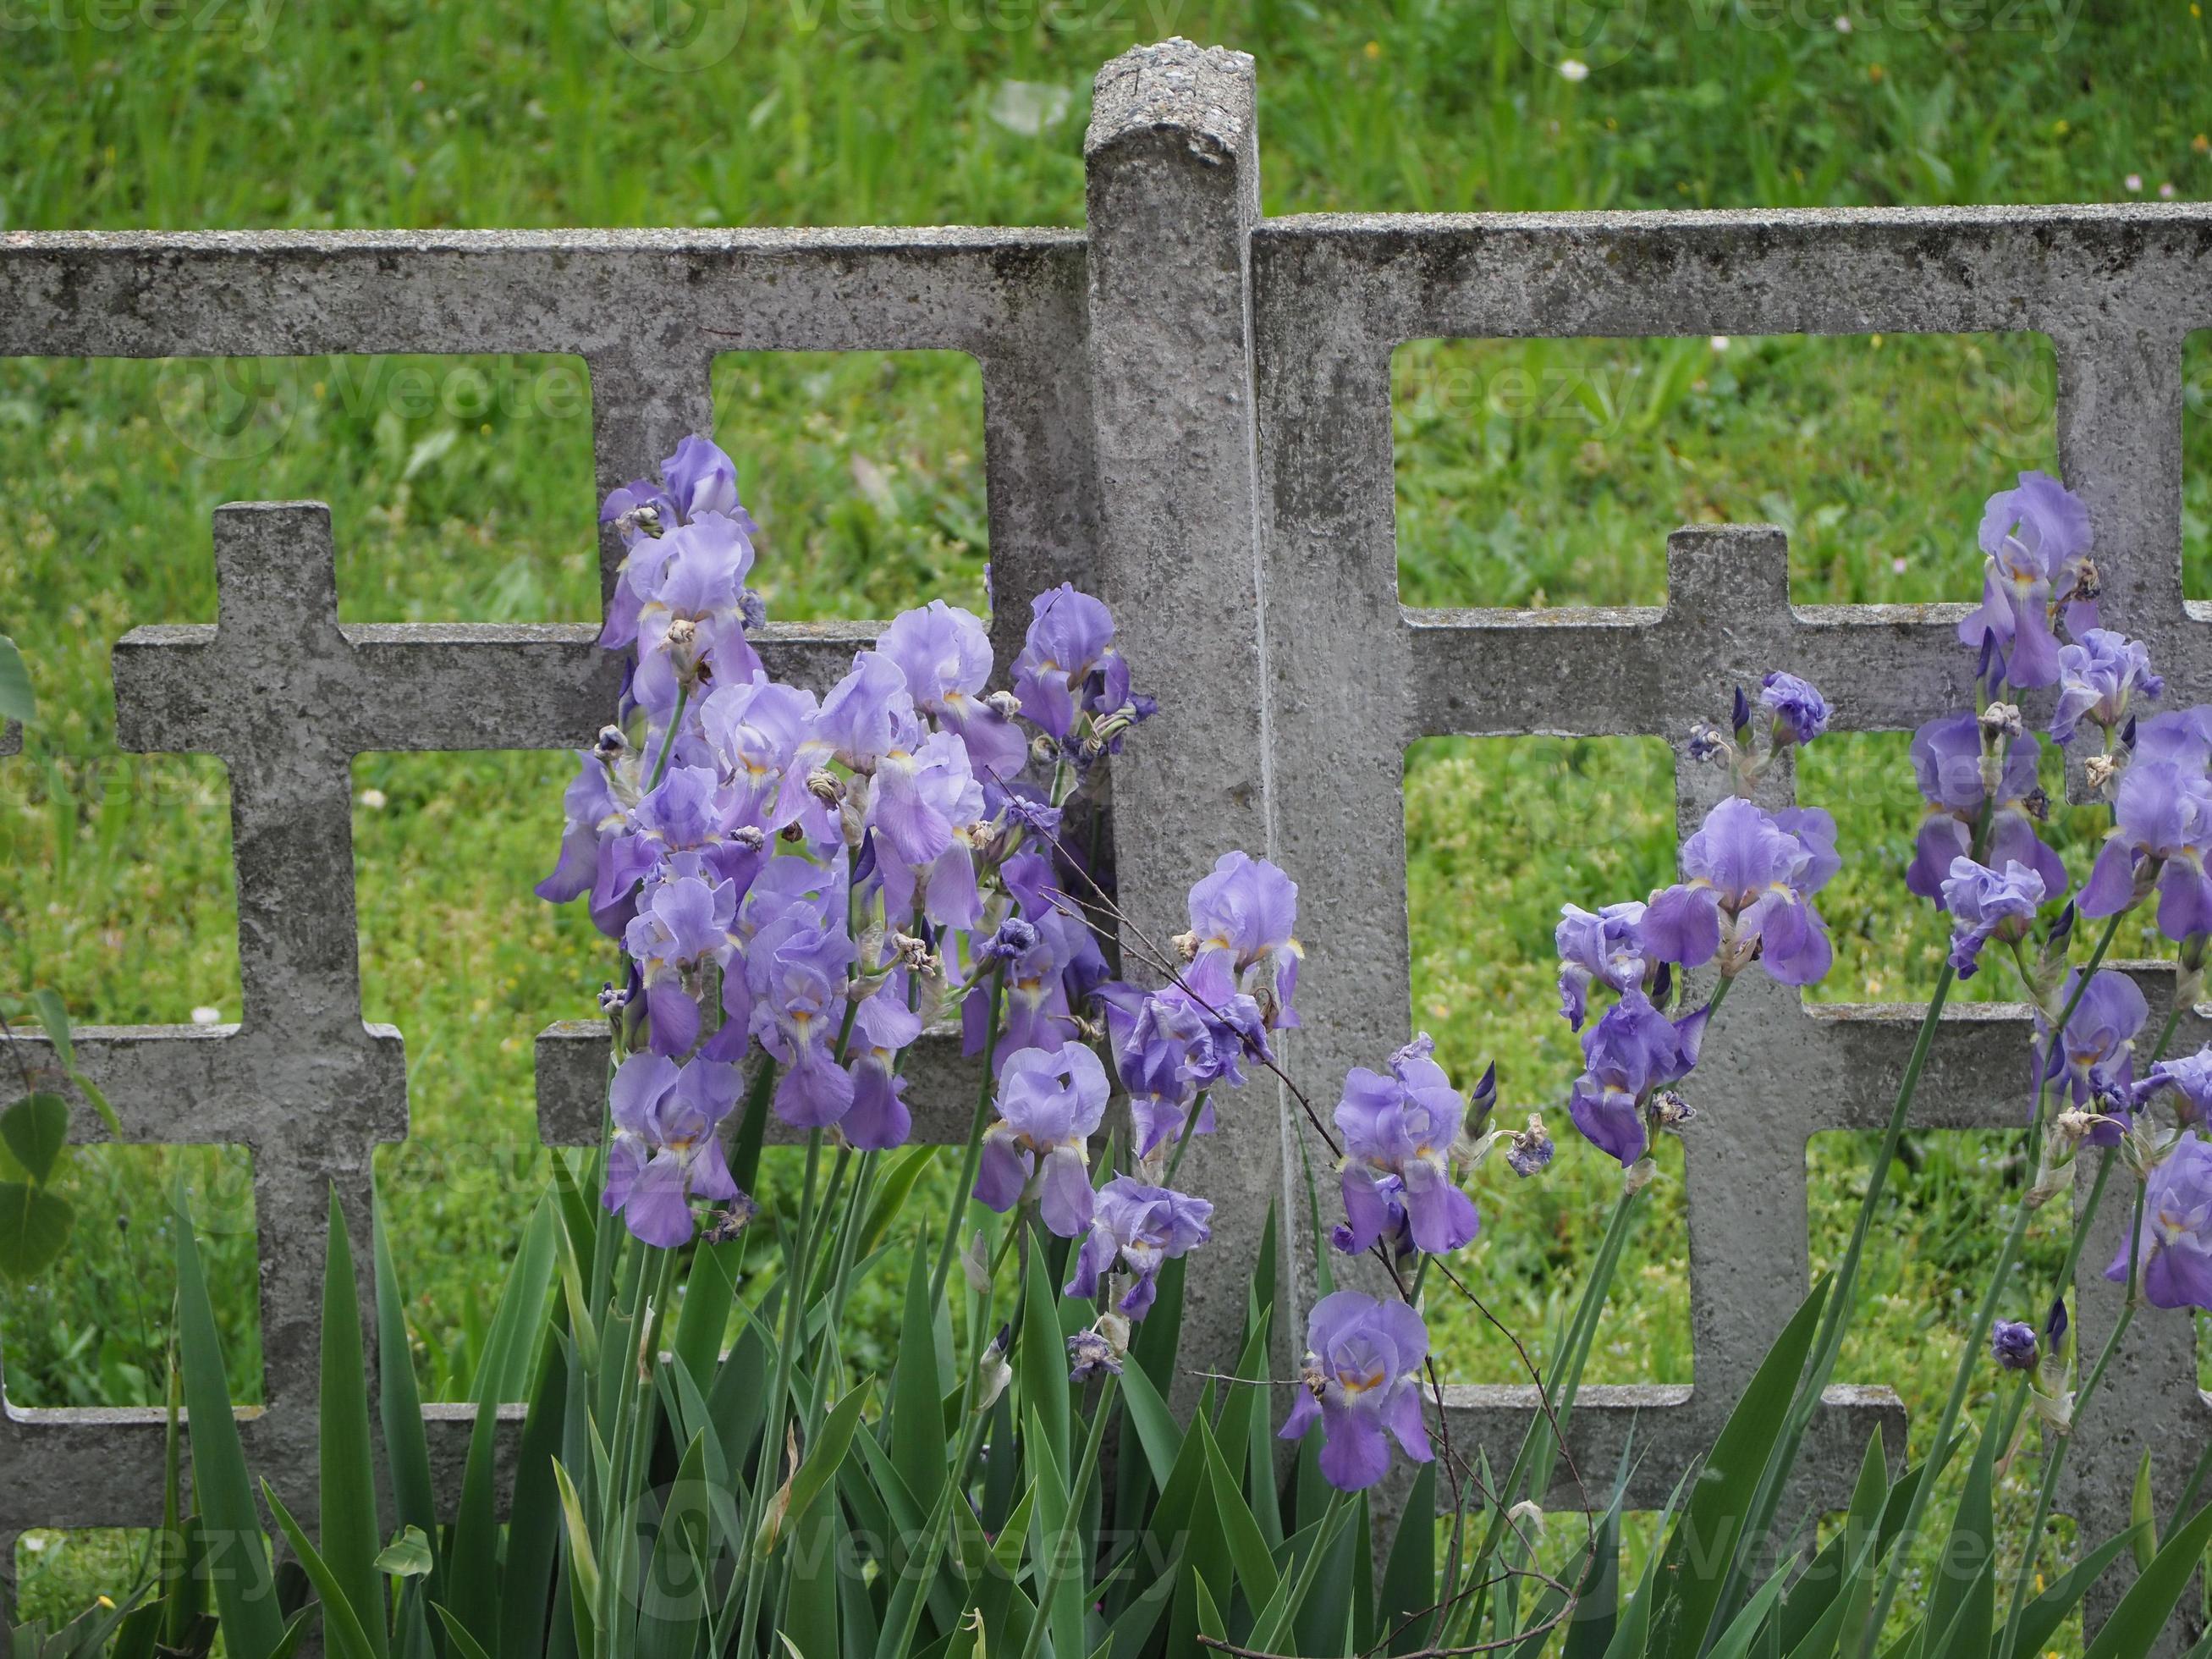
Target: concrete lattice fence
[(1187, 407)]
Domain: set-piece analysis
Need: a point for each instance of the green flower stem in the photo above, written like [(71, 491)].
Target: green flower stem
[(668, 743), (2056, 1463), (1078, 1495), (974, 1151), (1893, 1570), (1182, 1141), (634, 1453), (794, 1297)]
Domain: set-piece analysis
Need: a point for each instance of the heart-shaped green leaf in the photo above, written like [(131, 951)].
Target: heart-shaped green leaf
[(36, 1129), (34, 1225)]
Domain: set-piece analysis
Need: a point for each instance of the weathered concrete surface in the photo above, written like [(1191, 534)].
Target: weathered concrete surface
[(1190, 407), (1172, 154)]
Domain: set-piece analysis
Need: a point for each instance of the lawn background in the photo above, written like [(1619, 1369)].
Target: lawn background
[(1529, 473)]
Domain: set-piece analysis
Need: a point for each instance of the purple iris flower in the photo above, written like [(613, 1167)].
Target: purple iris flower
[(1142, 1227), (2100, 678), (1399, 1131), (1154, 1068), (2095, 1053), (593, 818), (1361, 1373), (1986, 905), (1629, 1054), (700, 479), (1242, 939), (923, 808), (2190, 1078), (665, 1150), (1605, 948), (1801, 713), (945, 656), (761, 735), (2161, 829), (2037, 538), (795, 975), (2013, 1345), (1068, 666), (2175, 1244), (690, 811), (867, 714), (2183, 735), (878, 1119), (691, 620), (1050, 1102), (1749, 878), (683, 921), (1051, 960), (1947, 764)]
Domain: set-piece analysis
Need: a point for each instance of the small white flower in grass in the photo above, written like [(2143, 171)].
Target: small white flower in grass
[(2134, 182), (372, 800), (204, 1015), (2165, 190), (1898, 565), (1721, 342), (1574, 68), (1843, 23)]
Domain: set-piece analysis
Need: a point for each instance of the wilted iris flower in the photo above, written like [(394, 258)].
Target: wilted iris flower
[(2095, 1053), (1141, 1228), (2013, 1345), (2101, 676), (1604, 947), (2036, 540), (1800, 712), (1630, 1055), (1987, 904)]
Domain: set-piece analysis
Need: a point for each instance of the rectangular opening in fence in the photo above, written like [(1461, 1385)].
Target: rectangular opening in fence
[(865, 472), (460, 487), (95, 1327), (116, 883), (2197, 466), (471, 964), (58, 1572), (1930, 1251), (1500, 832), (1549, 472)]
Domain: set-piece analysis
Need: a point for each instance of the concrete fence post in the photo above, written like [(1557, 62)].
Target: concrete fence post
[(1173, 194)]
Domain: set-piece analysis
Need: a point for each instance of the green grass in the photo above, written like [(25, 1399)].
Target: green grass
[(1537, 473)]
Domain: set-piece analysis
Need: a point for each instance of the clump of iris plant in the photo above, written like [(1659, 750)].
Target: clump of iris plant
[(801, 885)]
